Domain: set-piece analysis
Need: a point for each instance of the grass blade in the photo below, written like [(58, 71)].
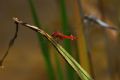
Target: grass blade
[(81, 72), (42, 42), (66, 30), (73, 63)]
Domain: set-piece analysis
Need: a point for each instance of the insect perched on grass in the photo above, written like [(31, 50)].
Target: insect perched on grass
[(61, 36)]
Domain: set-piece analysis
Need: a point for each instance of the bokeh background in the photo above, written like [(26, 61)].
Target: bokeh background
[(25, 60)]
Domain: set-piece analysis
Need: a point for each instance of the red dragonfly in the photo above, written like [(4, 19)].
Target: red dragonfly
[(61, 36)]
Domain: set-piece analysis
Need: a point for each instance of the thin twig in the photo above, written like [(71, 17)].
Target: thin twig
[(10, 45), (15, 36)]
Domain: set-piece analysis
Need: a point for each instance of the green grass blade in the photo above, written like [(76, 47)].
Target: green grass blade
[(65, 29), (81, 72), (43, 43), (73, 63)]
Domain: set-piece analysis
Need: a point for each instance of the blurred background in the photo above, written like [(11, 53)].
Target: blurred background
[(96, 49)]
